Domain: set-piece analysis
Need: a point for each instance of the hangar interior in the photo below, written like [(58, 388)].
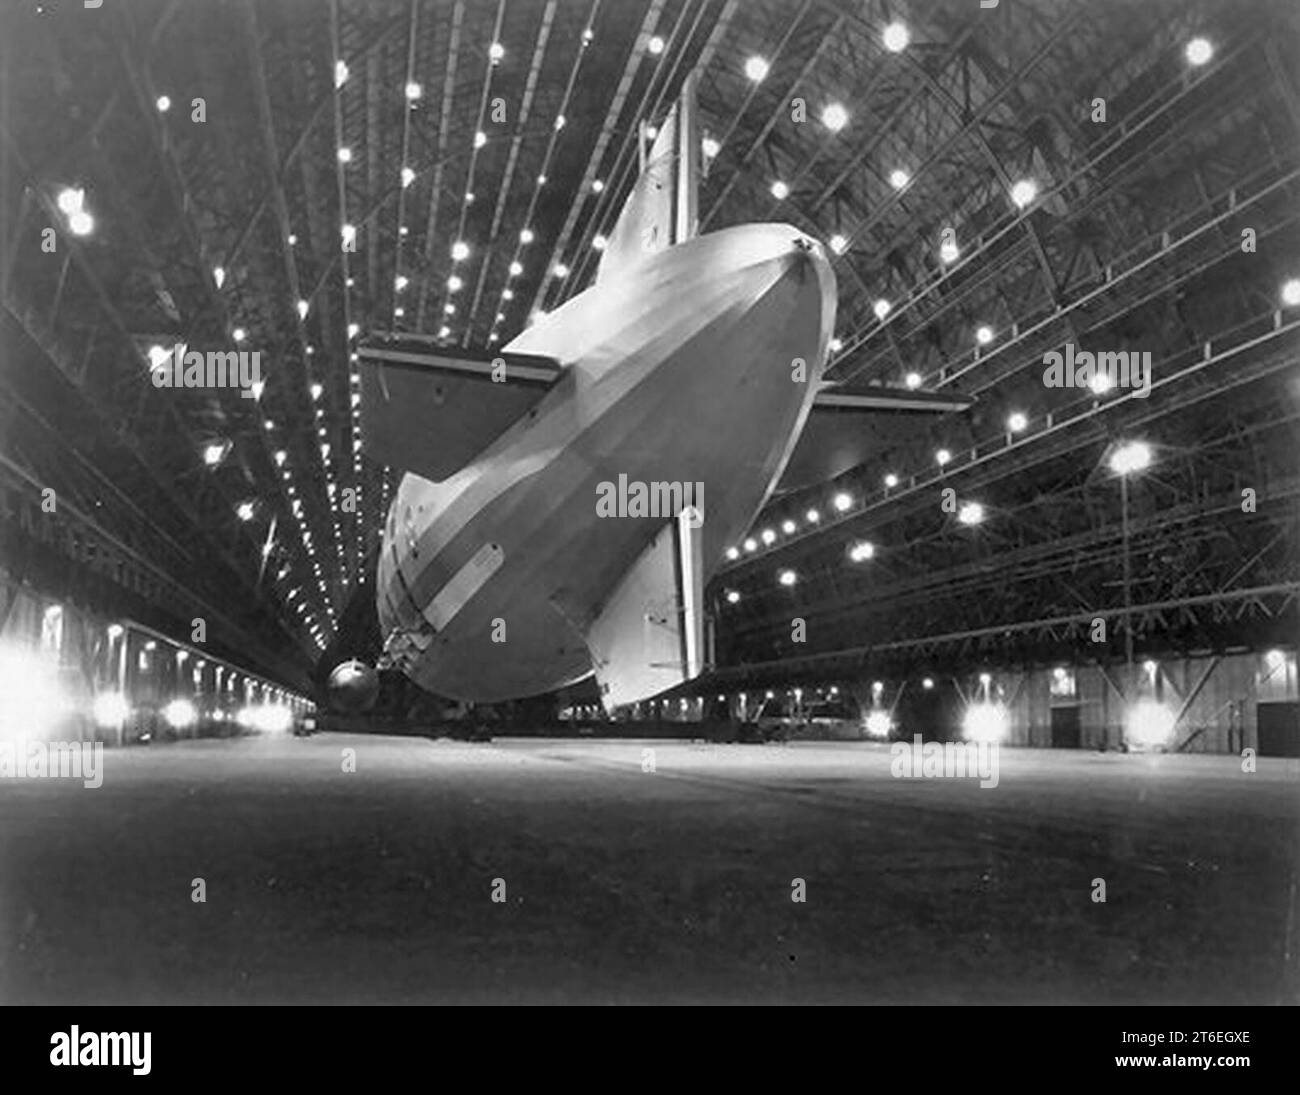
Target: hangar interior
[(993, 186), (1097, 563)]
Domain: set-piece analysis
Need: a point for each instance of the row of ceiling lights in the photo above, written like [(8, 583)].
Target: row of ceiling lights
[(1124, 460)]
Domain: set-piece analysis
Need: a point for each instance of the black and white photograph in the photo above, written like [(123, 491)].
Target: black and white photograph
[(651, 502)]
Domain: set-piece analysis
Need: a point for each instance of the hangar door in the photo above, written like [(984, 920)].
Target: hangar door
[(1065, 727), (1279, 729)]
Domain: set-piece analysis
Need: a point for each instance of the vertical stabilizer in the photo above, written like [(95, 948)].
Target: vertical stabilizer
[(662, 209)]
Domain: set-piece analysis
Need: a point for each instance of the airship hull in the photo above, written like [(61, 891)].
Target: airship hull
[(698, 365)]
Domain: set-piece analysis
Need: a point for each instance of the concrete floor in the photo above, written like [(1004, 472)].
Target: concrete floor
[(625, 886)]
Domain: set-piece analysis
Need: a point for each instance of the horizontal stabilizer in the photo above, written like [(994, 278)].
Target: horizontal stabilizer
[(846, 427), (649, 635), (430, 409)]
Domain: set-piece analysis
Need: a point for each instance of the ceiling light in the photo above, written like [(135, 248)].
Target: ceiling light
[(943, 456), (340, 73), (881, 308), (1024, 192), (750, 544), (984, 335), (862, 551), (711, 147), (733, 596), (239, 334), (1134, 456), (898, 178), (597, 186), (836, 345), (812, 517), (413, 91), (656, 45), (599, 243), (459, 251), (1017, 422), (559, 124), (354, 329), (449, 309), (835, 117), (401, 282), (345, 155), (780, 191), (455, 283), (948, 249), (1291, 292), (788, 527), (970, 513), (444, 332), (496, 51), (480, 139), (213, 453), (219, 276), (839, 243), (245, 511), (408, 177), (70, 200), (164, 104), (891, 480), (561, 271), (756, 68), (896, 36), (787, 578), (507, 294), (303, 308), (526, 236), (842, 501), (81, 223), (1199, 51)]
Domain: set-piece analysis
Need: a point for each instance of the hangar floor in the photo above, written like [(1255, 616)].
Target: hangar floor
[(627, 886)]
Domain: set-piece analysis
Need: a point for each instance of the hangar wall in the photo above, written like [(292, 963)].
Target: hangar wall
[(60, 661), (1216, 700)]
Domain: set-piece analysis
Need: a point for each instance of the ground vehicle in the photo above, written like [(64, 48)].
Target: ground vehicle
[(783, 718)]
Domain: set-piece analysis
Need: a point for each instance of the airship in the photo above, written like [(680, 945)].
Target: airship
[(565, 500)]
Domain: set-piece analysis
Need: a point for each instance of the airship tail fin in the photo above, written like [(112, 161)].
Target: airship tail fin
[(431, 409), (662, 209), (649, 635)]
